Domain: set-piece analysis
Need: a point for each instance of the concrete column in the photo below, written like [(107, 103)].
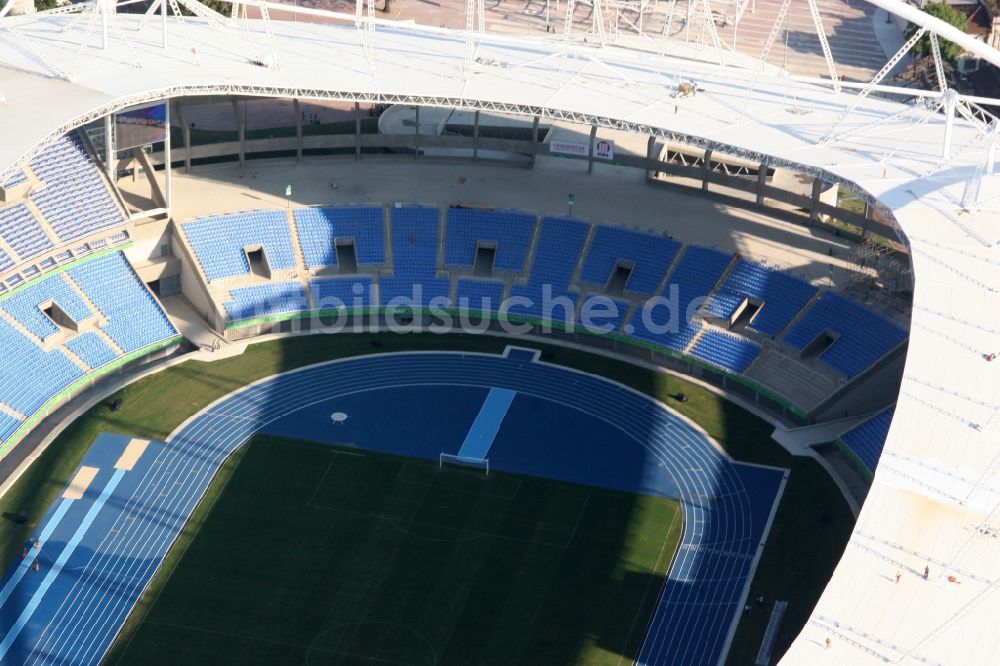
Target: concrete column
[(706, 170), (298, 129), (168, 194), (817, 189), (185, 136), (475, 137), (241, 129), (357, 131), (761, 184), (590, 149), (534, 141), (416, 135), (109, 146), (650, 147)]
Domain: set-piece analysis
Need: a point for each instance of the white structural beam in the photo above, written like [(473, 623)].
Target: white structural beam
[(868, 89), (222, 26), (598, 22), (831, 66), (22, 44), (940, 28), (938, 64)]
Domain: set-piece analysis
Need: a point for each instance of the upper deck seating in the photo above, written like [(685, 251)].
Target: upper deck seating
[(73, 199)]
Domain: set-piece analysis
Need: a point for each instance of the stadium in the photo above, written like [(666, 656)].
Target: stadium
[(576, 333)]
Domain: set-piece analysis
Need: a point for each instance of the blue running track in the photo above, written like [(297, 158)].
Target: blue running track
[(99, 552)]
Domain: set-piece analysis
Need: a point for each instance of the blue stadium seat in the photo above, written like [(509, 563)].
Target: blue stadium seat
[(725, 350), (24, 305), (693, 279), (867, 439), (92, 348), (16, 179), (266, 299), (414, 259), (558, 250), (782, 296), (510, 230), (652, 256), (74, 199), (414, 241), (601, 314), (219, 241), (30, 376), (21, 231), (135, 319), (479, 295), (8, 425), (319, 228), (336, 292), (863, 336)]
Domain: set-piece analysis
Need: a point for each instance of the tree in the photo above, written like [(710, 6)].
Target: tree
[(942, 10), (42, 5)]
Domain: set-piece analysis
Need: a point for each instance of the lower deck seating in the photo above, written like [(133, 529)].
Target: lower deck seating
[(410, 292), (29, 375), (25, 305), (862, 337), (266, 299), (725, 351), (479, 295), (337, 293), (600, 314), (781, 296), (671, 323), (92, 349), (868, 439), (135, 318), (8, 425)]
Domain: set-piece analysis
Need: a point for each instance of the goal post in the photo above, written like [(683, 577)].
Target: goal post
[(462, 461)]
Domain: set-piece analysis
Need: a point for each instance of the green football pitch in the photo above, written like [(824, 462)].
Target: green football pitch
[(309, 554)]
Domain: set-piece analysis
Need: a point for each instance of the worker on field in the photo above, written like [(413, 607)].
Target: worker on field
[(38, 565)]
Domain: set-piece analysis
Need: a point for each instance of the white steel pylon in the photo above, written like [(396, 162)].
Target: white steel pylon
[(870, 86), (567, 33), (155, 5), (765, 52), (265, 18), (938, 65), (598, 22), (973, 187), (105, 10), (225, 27), (827, 54)]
